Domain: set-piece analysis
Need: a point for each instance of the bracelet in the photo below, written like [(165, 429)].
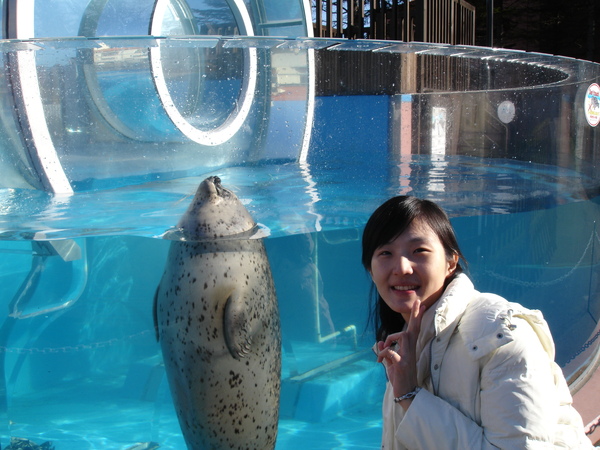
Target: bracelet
[(407, 396)]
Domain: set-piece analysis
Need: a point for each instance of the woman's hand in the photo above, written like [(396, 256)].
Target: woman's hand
[(398, 355)]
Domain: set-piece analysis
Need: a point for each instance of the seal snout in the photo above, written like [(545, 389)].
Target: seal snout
[(211, 183), (213, 188), (214, 180), (210, 187)]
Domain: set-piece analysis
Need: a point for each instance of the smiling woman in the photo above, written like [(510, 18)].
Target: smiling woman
[(413, 267), (407, 240), (479, 367)]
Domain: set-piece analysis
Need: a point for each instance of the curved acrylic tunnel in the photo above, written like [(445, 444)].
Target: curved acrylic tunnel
[(167, 100)]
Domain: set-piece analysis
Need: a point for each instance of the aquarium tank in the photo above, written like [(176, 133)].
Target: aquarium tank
[(113, 112)]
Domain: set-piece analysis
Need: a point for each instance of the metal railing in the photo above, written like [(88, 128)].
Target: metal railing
[(439, 21)]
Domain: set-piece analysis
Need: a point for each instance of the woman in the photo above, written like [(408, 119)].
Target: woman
[(465, 370)]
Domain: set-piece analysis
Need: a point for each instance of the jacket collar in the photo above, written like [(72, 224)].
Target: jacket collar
[(446, 309), (453, 302), (442, 316)]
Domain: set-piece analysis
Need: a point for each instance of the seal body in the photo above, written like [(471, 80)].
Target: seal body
[(217, 321)]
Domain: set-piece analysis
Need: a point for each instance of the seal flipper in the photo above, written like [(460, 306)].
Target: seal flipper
[(238, 325), (155, 314)]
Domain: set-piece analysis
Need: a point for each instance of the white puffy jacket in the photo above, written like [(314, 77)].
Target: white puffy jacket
[(490, 380)]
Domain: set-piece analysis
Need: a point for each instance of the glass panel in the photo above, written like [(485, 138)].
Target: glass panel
[(506, 142), (177, 19), (214, 17), (277, 10), (125, 18), (130, 17), (284, 19), (209, 96), (58, 18)]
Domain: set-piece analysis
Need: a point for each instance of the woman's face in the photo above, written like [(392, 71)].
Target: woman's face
[(412, 266)]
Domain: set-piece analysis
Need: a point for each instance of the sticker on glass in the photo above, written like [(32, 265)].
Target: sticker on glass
[(506, 111), (592, 104)]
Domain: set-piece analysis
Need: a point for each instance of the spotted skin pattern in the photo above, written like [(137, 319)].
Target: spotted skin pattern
[(217, 321)]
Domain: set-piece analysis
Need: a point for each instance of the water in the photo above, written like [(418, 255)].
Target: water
[(290, 198), (82, 366)]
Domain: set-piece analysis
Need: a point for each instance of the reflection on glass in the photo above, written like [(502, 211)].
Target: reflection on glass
[(202, 89), (121, 17), (438, 131), (215, 17), (54, 19), (176, 19), (208, 93)]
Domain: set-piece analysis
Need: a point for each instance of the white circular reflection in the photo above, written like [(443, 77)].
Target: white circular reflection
[(164, 12), (506, 111)]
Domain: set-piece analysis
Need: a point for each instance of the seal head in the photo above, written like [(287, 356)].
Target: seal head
[(213, 200)]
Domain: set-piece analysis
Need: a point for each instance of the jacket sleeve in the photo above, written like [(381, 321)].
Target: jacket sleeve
[(518, 404)]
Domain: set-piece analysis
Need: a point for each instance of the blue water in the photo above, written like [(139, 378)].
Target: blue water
[(290, 198), (88, 374)]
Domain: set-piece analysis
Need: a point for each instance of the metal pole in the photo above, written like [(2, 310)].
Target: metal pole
[(490, 22)]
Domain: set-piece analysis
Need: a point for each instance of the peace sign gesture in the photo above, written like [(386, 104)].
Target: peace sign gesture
[(398, 355)]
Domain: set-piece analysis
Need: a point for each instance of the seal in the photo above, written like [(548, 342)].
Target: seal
[(217, 321)]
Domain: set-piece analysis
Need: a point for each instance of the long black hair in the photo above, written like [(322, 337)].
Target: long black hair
[(388, 222)]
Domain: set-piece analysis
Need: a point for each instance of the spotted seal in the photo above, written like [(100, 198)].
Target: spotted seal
[(217, 321)]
